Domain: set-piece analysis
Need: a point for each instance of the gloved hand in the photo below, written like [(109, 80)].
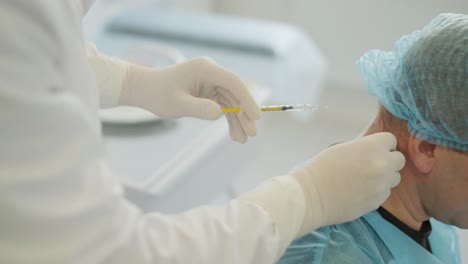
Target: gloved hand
[(196, 88), (348, 180)]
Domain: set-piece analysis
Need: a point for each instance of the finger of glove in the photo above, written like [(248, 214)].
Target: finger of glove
[(235, 129), (375, 196), (199, 107), (235, 102), (385, 139), (397, 160), (226, 79), (379, 200), (225, 97), (247, 124), (394, 179)]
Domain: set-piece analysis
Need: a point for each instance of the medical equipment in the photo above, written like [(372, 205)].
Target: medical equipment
[(424, 80), (276, 108)]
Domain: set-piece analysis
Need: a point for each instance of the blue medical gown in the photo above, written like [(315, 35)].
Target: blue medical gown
[(371, 239)]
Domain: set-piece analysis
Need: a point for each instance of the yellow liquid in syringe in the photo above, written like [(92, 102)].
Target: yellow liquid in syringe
[(271, 108)]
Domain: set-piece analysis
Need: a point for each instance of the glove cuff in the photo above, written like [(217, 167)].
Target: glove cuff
[(283, 199), (314, 214), (111, 74)]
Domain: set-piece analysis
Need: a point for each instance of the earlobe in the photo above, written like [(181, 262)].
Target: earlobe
[(421, 153)]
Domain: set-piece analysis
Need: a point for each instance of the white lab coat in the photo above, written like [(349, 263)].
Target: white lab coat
[(59, 203)]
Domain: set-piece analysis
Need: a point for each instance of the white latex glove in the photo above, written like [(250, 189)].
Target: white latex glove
[(348, 180), (196, 88)]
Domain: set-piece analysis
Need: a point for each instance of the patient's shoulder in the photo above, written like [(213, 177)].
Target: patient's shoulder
[(350, 242)]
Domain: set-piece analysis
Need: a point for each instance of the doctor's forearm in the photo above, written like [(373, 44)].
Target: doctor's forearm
[(255, 228), (283, 199)]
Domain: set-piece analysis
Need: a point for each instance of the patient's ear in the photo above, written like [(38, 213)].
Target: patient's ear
[(421, 154)]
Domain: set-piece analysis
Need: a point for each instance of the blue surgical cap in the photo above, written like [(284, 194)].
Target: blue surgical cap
[(425, 80)]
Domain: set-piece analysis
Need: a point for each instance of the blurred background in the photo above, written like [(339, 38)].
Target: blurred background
[(289, 51)]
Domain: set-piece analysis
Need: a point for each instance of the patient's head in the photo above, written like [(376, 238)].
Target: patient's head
[(423, 89), (435, 177)]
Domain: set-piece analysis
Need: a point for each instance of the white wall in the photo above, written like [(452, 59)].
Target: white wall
[(344, 29)]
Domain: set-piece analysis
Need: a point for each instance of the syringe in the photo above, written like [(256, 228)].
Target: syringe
[(266, 108)]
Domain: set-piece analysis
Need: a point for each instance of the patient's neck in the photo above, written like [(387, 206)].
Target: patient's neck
[(404, 203)]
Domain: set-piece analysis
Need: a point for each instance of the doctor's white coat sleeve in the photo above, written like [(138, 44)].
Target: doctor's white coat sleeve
[(58, 201)]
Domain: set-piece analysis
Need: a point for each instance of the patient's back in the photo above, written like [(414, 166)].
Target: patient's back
[(372, 239), (351, 242)]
